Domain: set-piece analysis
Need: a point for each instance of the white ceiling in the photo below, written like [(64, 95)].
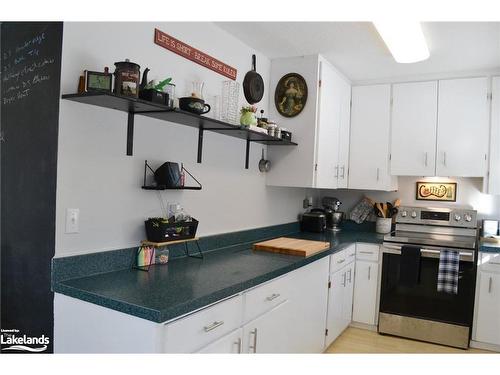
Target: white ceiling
[(357, 50)]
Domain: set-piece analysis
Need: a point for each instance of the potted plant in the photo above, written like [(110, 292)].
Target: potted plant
[(248, 115)]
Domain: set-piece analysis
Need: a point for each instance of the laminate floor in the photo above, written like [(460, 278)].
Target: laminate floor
[(355, 340)]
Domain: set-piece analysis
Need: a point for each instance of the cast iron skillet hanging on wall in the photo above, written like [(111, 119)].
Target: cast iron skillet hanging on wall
[(253, 85)]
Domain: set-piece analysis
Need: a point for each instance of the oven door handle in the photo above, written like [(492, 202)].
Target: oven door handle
[(465, 255)]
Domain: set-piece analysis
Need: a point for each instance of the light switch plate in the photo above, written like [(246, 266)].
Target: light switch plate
[(72, 220)]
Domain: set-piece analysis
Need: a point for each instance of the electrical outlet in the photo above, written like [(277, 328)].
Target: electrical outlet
[(72, 220), (307, 202)]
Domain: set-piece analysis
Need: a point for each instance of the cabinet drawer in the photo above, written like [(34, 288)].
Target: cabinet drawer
[(338, 261), (365, 251), (264, 297), (193, 332), (350, 253), (489, 262)]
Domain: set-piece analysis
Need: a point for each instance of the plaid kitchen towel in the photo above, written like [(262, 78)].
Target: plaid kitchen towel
[(449, 261)]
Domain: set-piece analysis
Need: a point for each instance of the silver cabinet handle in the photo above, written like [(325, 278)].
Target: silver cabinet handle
[(254, 346), (350, 276), (344, 279), (340, 261), (489, 285), (213, 326), (272, 296), (238, 342), (369, 272), (444, 158), (336, 172), (343, 171), (366, 252), (378, 174), (425, 162)]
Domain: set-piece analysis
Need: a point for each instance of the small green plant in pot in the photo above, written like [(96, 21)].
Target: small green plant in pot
[(248, 115)]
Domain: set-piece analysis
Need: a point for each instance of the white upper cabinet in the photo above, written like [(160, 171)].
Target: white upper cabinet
[(369, 143), (321, 157), (332, 139), (414, 122), (462, 131), (344, 133), (494, 174)]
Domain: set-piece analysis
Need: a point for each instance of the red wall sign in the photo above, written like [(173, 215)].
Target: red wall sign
[(193, 54)]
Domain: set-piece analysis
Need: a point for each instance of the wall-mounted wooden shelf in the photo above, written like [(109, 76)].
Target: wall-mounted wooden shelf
[(162, 112)]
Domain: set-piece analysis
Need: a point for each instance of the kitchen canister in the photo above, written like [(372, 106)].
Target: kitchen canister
[(383, 225), (127, 78)]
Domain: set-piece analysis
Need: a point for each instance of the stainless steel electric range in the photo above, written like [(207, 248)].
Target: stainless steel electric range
[(420, 311)]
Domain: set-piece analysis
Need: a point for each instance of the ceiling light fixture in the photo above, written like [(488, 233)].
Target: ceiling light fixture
[(404, 39)]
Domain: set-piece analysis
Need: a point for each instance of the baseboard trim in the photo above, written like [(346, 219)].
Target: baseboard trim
[(484, 346), (369, 327)]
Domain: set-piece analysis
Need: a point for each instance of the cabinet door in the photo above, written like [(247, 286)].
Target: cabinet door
[(309, 299), (463, 131), (365, 292), (344, 134), (229, 344), (334, 320), (270, 333), (369, 144), (327, 135), (494, 170), (488, 310), (294, 166), (348, 296), (414, 121)]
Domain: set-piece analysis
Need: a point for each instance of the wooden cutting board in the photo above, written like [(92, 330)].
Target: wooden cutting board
[(292, 246)]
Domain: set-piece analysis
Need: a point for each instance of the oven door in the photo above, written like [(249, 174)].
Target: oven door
[(423, 301)]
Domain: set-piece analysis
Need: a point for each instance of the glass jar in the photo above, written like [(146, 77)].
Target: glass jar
[(271, 128), (170, 90)]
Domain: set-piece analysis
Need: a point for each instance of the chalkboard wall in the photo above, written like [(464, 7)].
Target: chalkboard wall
[(30, 85)]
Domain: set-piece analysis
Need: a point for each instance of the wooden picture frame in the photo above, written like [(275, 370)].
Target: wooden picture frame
[(436, 191)]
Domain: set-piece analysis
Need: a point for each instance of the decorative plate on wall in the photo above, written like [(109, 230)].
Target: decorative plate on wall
[(290, 96)]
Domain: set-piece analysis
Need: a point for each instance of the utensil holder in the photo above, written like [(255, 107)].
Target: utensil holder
[(383, 225)]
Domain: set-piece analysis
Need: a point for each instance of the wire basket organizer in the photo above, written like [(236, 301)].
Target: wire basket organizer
[(160, 230), (229, 102)]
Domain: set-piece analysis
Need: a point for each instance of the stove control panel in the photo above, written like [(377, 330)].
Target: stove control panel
[(452, 217)]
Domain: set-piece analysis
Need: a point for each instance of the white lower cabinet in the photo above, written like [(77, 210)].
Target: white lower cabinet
[(271, 332), (285, 315), (229, 344), (366, 284), (340, 297), (488, 308)]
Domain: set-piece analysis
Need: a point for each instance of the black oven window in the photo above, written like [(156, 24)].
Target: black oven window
[(422, 300)]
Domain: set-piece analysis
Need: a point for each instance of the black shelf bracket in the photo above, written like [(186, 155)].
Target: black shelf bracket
[(247, 153), (130, 133), (200, 144)]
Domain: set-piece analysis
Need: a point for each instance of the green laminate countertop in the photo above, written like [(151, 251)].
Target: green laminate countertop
[(187, 284), (489, 247)]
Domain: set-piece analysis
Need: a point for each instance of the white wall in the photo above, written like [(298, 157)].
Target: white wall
[(96, 176), (468, 195)]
